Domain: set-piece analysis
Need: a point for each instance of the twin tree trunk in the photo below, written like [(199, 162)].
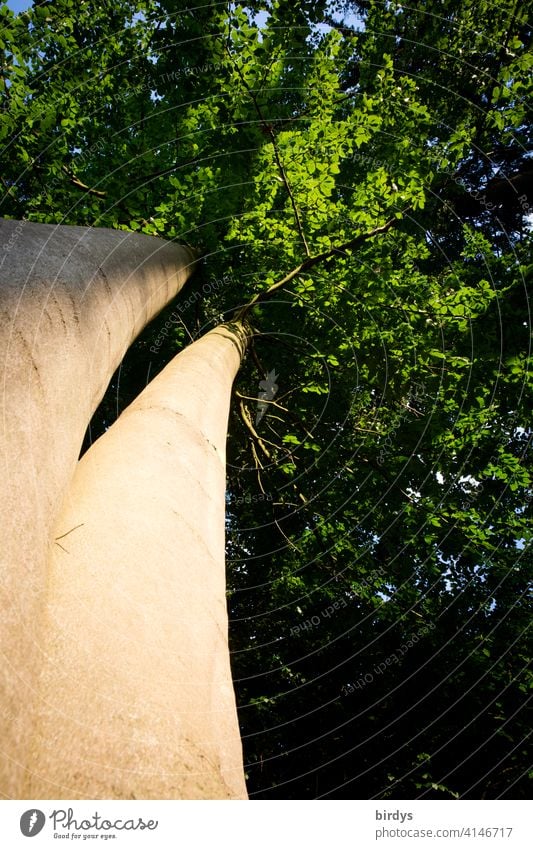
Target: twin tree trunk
[(115, 681)]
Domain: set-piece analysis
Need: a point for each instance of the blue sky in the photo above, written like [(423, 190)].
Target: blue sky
[(19, 5)]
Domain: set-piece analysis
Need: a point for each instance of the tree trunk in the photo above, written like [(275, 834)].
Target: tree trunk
[(135, 696), (72, 299)]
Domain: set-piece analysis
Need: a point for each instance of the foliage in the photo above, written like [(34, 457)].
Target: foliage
[(378, 510)]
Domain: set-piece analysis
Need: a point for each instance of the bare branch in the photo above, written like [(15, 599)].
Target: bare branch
[(262, 401), (79, 185), (249, 426), (69, 532)]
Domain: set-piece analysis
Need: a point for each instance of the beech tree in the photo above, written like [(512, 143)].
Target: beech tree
[(354, 183)]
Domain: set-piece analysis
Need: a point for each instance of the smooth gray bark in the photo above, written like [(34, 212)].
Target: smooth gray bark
[(135, 698), (72, 300)]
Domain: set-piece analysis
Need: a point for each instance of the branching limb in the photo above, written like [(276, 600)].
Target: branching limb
[(245, 417), (79, 185), (187, 331), (75, 528), (269, 129), (310, 262), (66, 535), (262, 401), (285, 179), (258, 364)]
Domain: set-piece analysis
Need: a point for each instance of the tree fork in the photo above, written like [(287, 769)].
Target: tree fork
[(135, 694), (72, 300), (311, 261)]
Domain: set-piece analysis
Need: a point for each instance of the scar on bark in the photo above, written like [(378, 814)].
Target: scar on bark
[(66, 535)]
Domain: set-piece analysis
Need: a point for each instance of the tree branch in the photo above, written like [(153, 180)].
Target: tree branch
[(284, 177), (310, 262), (268, 128), (79, 185), (249, 426)]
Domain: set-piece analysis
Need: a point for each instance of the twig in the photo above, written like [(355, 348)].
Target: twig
[(310, 262), (248, 423), (9, 189), (289, 190), (270, 130), (261, 400), (79, 185), (62, 547), (260, 369), (187, 331), (69, 532), (282, 532)]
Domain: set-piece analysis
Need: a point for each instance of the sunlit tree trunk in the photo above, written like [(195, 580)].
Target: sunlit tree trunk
[(72, 299), (135, 697)]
